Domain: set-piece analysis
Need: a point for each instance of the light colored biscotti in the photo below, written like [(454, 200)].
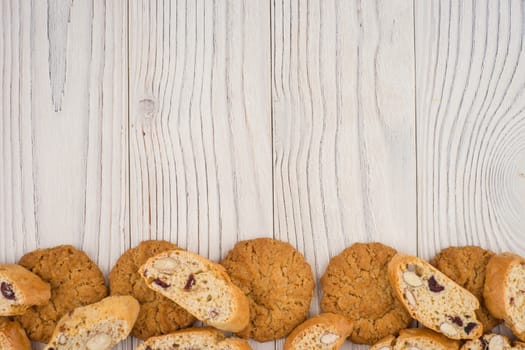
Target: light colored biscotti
[(20, 289), (434, 299), (200, 286), (504, 291), (12, 336), (492, 342), (417, 339), (195, 338), (326, 331), (99, 326)]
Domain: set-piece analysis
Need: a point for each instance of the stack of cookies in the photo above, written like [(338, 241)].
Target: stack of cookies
[(262, 290)]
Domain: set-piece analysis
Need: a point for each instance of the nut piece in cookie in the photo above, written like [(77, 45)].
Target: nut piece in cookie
[(325, 331), (200, 286), (355, 284), (99, 326), (416, 339), (466, 266), (12, 336), (504, 290), (20, 289), (75, 281), (158, 315), (278, 282), (436, 301), (195, 338)]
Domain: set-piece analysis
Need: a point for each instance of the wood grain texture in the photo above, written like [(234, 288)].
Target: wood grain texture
[(343, 119), (63, 127), (200, 123), (471, 124)]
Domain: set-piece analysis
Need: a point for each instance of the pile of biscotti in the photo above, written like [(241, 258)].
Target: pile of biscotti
[(441, 303)]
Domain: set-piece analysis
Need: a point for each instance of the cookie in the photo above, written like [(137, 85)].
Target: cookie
[(20, 289), (434, 299), (325, 331), (75, 281), (98, 326), (417, 338), (195, 338), (12, 336), (200, 286), (466, 266), (493, 341), (504, 290), (158, 315), (278, 282), (355, 284)]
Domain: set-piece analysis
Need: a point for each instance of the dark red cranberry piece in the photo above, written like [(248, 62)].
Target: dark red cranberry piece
[(456, 319), (469, 327), (190, 282), (7, 291), (511, 301), (148, 347), (161, 283), (434, 286)]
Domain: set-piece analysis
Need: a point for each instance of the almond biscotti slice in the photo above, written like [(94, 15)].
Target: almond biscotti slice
[(492, 342), (12, 336), (99, 326), (200, 286), (434, 299), (416, 339), (20, 290), (504, 291), (326, 331), (195, 338)]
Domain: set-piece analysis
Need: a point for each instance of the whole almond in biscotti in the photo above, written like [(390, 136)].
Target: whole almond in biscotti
[(99, 326), (417, 339), (504, 291), (20, 289), (355, 284), (326, 331), (200, 286), (12, 336), (195, 338), (75, 281), (278, 282), (466, 266), (434, 299)]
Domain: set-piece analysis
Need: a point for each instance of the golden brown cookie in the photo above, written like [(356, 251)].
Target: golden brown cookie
[(12, 336), (277, 280), (355, 284), (158, 315), (75, 281), (466, 266)]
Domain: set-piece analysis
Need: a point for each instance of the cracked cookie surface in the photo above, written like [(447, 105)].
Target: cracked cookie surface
[(158, 315), (278, 282), (355, 284), (467, 266), (75, 281)]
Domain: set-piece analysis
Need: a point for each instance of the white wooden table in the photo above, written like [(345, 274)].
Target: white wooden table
[(318, 122)]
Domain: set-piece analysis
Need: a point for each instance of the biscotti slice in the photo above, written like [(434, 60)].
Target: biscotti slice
[(12, 336), (326, 331), (20, 289), (194, 338), (99, 326), (434, 299), (417, 339), (492, 342), (200, 286), (504, 290)]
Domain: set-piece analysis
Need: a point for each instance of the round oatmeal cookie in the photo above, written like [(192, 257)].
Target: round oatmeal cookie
[(355, 284), (158, 315), (75, 281), (278, 282), (466, 266)]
